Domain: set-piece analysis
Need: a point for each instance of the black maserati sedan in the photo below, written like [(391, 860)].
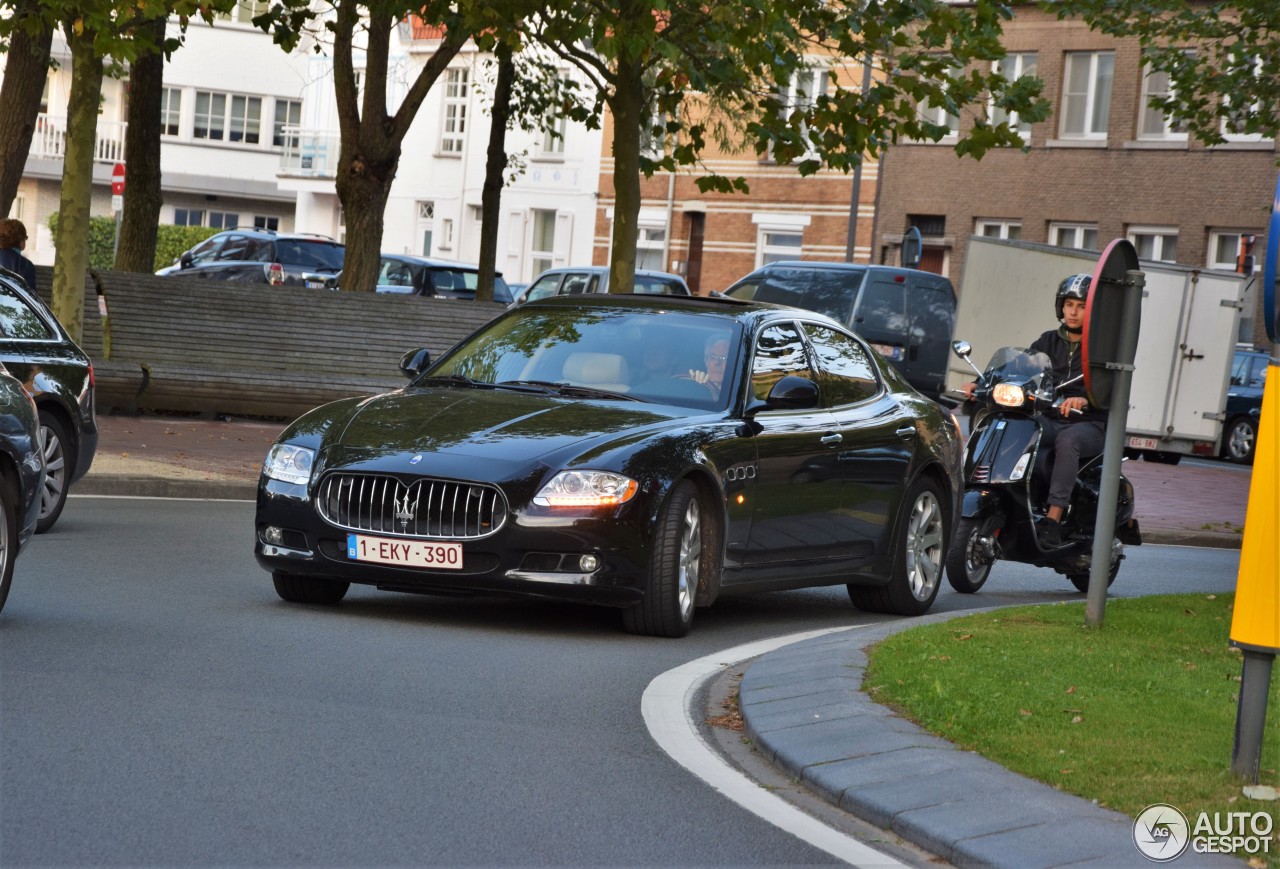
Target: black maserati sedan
[(648, 453)]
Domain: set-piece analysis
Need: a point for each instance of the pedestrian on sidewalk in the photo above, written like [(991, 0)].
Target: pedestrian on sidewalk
[(13, 238)]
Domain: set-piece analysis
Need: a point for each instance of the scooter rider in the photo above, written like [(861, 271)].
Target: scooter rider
[(1079, 429)]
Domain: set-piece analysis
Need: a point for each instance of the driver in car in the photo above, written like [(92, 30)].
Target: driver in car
[(715, 357)]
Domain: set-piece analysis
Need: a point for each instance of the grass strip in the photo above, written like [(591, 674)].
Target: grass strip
[(1140, 711)]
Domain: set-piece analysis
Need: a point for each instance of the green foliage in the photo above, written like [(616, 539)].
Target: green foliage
[(171, 241), (1138, 712), (1221, 58)]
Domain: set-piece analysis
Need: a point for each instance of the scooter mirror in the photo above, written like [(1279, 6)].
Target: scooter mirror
[(962, 348)]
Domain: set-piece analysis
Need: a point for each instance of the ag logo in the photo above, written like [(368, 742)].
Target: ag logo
[(1161, 833)]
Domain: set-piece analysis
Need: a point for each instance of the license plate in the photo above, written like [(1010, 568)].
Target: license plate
[(888, 351), (314, 285), (405, 553), (1143, 443)]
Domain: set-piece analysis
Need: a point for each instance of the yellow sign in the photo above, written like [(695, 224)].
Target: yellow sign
[(1255, 622)]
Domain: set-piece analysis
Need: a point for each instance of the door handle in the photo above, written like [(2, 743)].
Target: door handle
[(906, 431), (831, 439)]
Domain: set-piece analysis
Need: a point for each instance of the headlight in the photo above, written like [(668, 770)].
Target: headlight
[(1009, 395), (586, 489), (289, 463)]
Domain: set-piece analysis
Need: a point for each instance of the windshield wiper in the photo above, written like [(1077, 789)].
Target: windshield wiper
[(454, 380), (573, 389)]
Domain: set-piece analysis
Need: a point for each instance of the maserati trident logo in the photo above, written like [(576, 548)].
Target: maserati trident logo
[(404, 513)]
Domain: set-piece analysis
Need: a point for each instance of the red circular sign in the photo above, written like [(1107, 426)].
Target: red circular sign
[(117, 179)]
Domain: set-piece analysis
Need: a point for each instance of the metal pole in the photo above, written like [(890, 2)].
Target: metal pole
[(115, 245), (1113, 451), (851, 237), (1251, 713)]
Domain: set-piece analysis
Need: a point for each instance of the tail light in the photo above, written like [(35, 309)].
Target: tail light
[(275, 274)]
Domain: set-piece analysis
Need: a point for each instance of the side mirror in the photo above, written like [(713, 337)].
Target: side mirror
[(962, 349), (415, 362), (792, 393), (186, 260)]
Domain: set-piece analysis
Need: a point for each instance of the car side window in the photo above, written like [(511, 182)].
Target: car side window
[(845, 371), (779, 353), (236, 248), (207, 249), (18, 319)]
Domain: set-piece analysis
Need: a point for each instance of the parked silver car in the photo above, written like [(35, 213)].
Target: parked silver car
[(595, 279)]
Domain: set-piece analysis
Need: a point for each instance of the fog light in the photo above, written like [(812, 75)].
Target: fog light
[(588, 563), (273, 535)]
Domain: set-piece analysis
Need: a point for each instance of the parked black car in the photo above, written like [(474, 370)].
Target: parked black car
[(1244, 405), (59, 376), (438, 278), (642, 452), (262, 256), (21, 474), (907, 315)]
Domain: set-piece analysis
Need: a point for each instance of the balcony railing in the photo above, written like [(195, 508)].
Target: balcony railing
[(309, 153), (50, 139)]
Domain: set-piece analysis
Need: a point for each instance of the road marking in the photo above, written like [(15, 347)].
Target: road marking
[(666, 709)]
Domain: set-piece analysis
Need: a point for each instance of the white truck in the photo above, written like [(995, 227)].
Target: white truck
[(1190, 325)]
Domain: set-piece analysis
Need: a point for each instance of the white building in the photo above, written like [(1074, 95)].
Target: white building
[(250, 139)]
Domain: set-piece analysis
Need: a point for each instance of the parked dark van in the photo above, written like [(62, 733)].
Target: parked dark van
[(905, 314)]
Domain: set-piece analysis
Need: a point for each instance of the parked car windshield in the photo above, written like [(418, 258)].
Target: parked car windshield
[(827, 291), (319, 255), (639, 353)]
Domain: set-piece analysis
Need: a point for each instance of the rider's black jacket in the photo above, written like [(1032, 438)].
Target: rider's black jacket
[(1068, 363)]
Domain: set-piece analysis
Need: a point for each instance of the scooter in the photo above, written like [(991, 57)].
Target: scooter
[(1005, 490)]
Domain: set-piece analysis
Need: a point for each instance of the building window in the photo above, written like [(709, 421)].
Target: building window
[(246, 119), (426, 209), (1154, 123), (801, 94), (210, 115), (1226, 248), (233, 117), (457, 90), (1086, 94), (1079, 235), (288, 114), (653, 143), (775, 246), (1158, 243), (170, 111), (1235, 126), (446, 233), (554, 127), (223, 219), (1013, 67), (939, 116), (188, 217), (244, 11), (649, 248), (544, 239), (1007, 229), (15, 210), (262, 221)]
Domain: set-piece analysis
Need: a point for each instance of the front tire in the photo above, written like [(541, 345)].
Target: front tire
[(57, 470), (919, 552), (8, 538), (1240, 441), (306, 589), (683, 557), (967, 567)]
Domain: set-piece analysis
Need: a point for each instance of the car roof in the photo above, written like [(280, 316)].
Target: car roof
[(259, 232), (600, 270), (430, 261)]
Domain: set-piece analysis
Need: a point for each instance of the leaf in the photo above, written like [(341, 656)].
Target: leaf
[(1076, 719), (1025, 713), (1071, 690)]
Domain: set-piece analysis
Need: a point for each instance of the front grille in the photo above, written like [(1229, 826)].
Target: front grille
[(426, 508)]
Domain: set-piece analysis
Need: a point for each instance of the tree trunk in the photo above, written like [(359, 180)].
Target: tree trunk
[(364, 185), (72, 239), (136, 251), (627, 106), (25, 72), (495, 166)]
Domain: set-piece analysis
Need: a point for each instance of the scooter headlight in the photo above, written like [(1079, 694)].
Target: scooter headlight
[(1009, 395)]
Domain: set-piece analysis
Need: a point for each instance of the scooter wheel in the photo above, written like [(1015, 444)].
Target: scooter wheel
[(1081, 580), (967, 567)]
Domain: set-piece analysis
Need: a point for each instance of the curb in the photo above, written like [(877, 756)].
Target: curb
[(130, 486)]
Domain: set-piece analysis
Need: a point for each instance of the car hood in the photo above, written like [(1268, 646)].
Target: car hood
[(505, 429)]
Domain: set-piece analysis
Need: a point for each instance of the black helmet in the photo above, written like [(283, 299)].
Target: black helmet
[(1072, 287)]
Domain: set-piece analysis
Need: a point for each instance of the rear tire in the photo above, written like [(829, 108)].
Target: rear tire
[(8, 538), (967, 570), (919, 552), (1240, 441), (299, 589), (1081, 580), (58, 464), (683, 557)]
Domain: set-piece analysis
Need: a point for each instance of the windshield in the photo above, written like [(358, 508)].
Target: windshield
[(650, 355), (1020, 364), (825, 290), (323, 255)]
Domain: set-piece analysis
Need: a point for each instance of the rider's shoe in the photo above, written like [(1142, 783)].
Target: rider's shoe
[(1049, 534)]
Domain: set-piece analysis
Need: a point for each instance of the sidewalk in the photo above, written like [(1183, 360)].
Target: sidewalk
[(189, 457)]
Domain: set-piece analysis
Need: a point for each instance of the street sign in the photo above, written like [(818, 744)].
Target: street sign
[(1104, 321), (117, 202), (1270, 270), (117, 180)]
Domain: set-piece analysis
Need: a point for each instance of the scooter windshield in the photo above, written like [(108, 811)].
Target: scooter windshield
[(1018, 364)]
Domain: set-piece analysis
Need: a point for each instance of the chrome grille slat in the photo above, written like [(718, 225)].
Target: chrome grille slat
[(375, 503)]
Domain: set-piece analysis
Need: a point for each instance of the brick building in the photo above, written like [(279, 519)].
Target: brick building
[(1102, 166), (713, 238)]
